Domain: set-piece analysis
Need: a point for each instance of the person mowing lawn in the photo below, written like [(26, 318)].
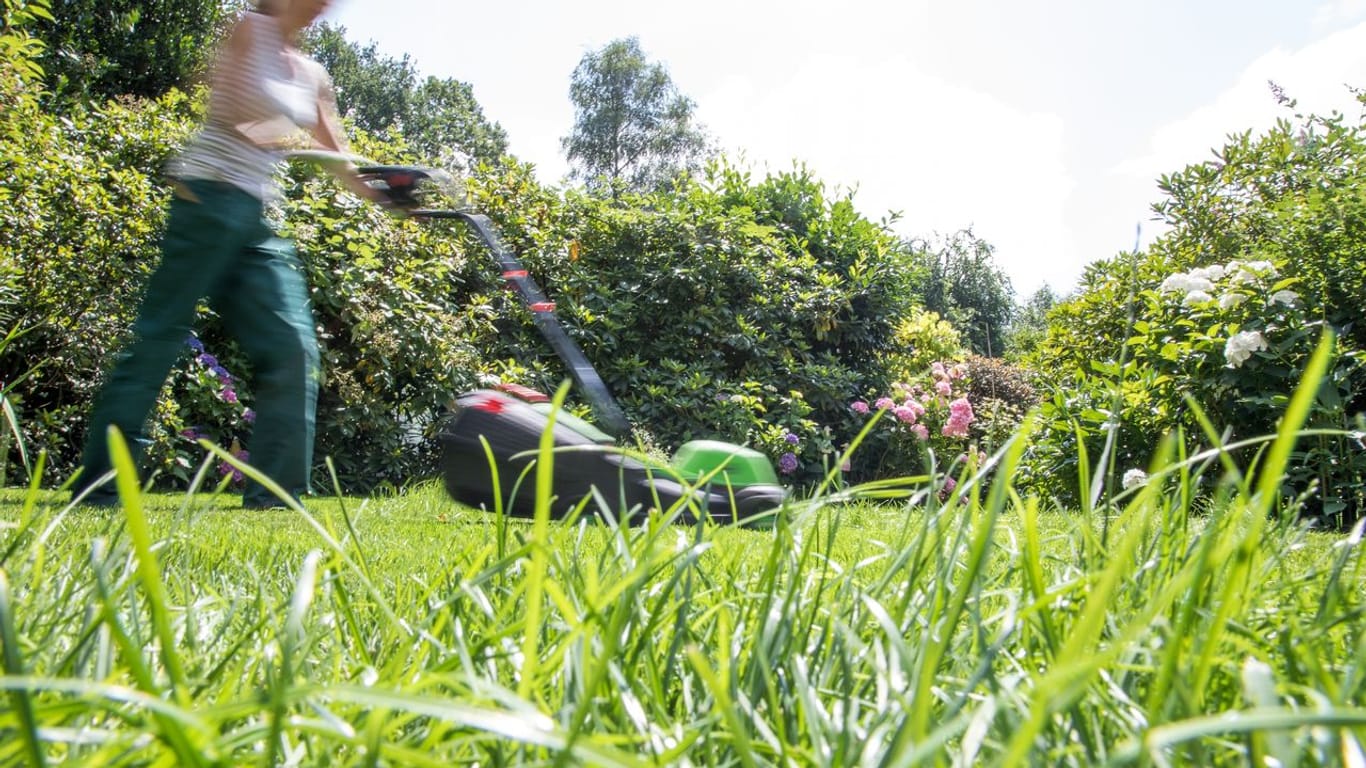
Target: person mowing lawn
[(263, 90)]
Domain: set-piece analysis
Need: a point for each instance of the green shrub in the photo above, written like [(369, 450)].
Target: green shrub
[(80, 214), (749, 311), (1002, 394), (1262, 258), (921, 338)]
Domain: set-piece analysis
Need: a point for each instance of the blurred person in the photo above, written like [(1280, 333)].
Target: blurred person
[(263, 93)]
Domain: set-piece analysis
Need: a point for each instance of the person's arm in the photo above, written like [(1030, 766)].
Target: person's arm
[(328, 134)]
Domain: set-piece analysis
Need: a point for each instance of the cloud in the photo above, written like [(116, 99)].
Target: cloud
[(1317, 76), (946, 156), (1338, 12)]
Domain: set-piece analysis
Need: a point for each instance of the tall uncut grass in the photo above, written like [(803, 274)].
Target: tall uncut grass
[(874, 625)]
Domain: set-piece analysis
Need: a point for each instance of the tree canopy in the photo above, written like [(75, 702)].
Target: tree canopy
[(633, 129), (439, 118), (962, 283), (100, 49)]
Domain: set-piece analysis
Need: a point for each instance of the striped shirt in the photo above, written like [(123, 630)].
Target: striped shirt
[(272, 87)]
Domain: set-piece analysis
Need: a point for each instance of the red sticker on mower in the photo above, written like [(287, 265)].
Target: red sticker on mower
[(543, 306), (489, 405), (513, 273)]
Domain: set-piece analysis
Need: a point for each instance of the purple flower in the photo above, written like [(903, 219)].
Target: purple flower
[(858, 406), (249, 416), (788, 463), (228, 395), (947, 488), (792, 439), (225, 469), (207, 360), (190, 434), (194, 344), (222, 374)]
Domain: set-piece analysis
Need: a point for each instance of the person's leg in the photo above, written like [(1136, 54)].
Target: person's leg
[(265, 307), (202, 240)]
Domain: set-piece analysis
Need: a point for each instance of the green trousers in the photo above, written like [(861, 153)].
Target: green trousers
[(217, 245)]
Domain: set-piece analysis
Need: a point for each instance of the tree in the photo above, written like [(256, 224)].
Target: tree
[(1031, 323), (101, 49), (372, 89), (443, 115), (439, 118), (962, 283), (633, 130)]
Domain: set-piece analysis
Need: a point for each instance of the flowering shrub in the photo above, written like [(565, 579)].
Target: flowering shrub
[(1262, 255), (204, 400), (1232, 338), (931, 414)]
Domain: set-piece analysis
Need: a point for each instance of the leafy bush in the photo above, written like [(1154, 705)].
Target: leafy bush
[(747, 311), (728, 308), (80, 214), (921, 338), (1262, 258), (1002, 394)]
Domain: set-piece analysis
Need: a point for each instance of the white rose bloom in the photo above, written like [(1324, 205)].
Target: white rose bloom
[(1214, 272), (1184, 283), (1175, 283), (1134, 477), (1286, 297), (1241, 346), (1197, 297), (1231, 299)]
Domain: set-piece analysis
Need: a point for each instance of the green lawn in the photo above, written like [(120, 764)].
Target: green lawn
[(407, 630)]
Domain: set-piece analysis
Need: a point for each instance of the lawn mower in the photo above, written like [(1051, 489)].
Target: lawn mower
[(490, 440)]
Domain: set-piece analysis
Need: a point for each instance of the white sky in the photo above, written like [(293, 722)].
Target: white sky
[(1041, 124)]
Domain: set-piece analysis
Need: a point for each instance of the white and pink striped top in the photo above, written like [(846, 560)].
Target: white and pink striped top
[(275, 89)]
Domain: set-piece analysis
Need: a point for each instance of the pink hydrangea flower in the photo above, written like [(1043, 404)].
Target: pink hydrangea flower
[(962, 408), (884, 403), (955, 428), (921, 431), (943, 387), (858, 406), (905, 414)]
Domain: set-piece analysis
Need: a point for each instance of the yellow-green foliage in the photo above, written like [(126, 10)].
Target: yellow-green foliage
[(921, 338)]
